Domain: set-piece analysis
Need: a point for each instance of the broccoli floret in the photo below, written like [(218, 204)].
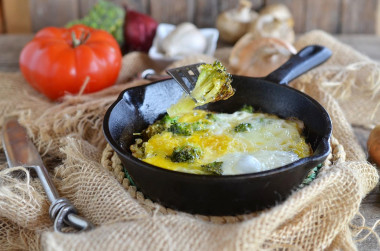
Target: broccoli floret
[(213, 84), (243, 127), (213, 168), (311, 176), (186, 129), (185, 153), (167, 121), (106, 16), (152, 130), (159, 126), (170, 124), (247, 108), (210, 116), (181, 129)]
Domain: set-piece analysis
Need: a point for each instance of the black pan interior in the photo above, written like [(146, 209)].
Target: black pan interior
[(138, 107)]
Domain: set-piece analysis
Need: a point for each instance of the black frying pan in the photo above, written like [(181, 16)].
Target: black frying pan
[(138, 107)]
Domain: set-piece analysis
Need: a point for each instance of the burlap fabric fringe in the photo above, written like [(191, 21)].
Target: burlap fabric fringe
[(69, 136)]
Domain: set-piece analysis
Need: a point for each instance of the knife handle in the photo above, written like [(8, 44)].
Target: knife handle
[(47, 183), (61, 211)]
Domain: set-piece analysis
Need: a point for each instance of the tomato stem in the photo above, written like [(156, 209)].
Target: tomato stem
[(84, 36)]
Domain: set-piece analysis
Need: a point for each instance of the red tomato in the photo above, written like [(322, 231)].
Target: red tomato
[(60, 60)]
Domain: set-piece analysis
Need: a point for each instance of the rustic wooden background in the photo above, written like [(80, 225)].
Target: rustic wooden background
[(334, 16)]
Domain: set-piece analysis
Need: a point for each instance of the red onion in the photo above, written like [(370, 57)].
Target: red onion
[(139, 31)]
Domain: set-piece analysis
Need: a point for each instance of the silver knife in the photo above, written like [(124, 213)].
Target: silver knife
[(20, 151)]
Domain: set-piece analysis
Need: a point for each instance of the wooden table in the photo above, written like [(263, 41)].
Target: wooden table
[(11, 45)]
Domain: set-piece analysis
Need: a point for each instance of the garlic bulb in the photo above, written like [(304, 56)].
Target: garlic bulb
[(233, 24), (274, 21), (257, 57), (184, 40)]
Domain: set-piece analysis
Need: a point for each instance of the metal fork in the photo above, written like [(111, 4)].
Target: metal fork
[(190, 72)]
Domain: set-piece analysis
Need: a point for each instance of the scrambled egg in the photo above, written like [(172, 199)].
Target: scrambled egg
[(223, 144)]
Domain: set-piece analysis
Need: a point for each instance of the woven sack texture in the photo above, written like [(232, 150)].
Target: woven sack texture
[(69, 136)]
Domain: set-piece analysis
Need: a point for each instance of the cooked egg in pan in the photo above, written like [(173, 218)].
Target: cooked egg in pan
[(202, 142)]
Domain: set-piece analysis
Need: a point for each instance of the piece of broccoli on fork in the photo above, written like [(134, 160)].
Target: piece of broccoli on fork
[(213, 84)]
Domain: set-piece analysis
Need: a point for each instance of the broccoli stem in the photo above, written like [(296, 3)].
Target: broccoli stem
[(185, 104)]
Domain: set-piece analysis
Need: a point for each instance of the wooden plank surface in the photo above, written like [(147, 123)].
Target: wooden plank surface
[(2, 25), (323, 14), (52, 12), (16, 16), (84, 6), (334, 16), (205, 13), (138, 5), (359, 16), (174, 12), (11, 45), (142, 6), (378, 19), (223, 5), (10, 48)]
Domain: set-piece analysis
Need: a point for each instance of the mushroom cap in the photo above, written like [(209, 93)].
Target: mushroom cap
[(266, 25), (257, 57), (278, 11), (234, 23)]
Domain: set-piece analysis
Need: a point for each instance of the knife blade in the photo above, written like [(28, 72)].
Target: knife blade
[(20, 151)]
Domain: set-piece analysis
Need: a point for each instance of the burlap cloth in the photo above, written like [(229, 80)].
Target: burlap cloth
[(69, 136)]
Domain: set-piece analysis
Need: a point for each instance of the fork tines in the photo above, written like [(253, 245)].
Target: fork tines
[(190, 72)]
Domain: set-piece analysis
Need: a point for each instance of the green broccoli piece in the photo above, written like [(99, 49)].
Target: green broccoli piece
[(247, 108), (243, 127), (211, 116), (185, 153), (159, 126), (106, 16), (186, 129), (181, 129), (311, 175), (170, 124), (214, 168), (167, 121), (213, 84)]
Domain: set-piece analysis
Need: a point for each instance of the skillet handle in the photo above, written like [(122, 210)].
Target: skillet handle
[(306, 59)]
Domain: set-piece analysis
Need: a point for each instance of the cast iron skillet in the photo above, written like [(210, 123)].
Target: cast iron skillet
[(138, 107)]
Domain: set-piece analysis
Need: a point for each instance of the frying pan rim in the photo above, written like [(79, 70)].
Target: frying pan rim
[(325, 140)]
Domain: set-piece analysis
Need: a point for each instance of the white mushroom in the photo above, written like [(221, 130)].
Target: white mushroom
[(185, 39), (274, 21), (234, 23), (257, 57)]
